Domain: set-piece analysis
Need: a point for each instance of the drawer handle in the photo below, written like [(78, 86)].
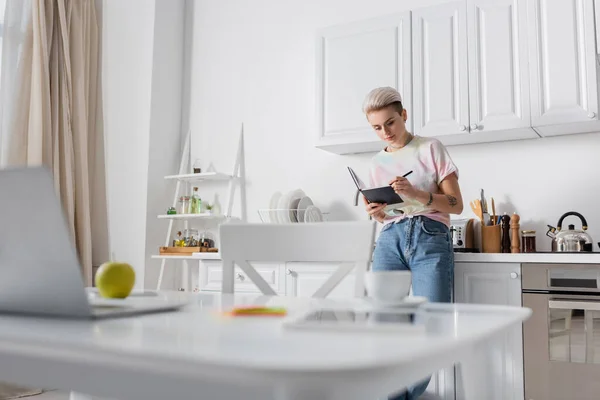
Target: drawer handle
[(514, 275)]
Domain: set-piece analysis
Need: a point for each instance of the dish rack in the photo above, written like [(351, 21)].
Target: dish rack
[(289, 215)]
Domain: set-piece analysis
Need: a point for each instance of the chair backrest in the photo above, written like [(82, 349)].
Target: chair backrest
[(345, 242)]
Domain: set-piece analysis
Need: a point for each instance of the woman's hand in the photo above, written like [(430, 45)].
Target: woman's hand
[(404, 188), (375, 210)]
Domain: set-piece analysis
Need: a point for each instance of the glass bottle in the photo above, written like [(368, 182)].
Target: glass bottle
[(178, 241), (195, 203), (216, 207)]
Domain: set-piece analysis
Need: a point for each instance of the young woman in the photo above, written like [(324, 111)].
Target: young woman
[(414, 236)]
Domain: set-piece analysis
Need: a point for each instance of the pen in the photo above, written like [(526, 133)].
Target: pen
[(404, 176)]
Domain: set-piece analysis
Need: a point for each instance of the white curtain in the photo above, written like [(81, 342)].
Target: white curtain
[(50, 108)]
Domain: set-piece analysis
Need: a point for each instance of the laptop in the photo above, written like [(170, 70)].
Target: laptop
[(40, 273)]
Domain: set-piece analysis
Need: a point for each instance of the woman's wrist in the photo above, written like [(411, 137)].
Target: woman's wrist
[(424, 197)]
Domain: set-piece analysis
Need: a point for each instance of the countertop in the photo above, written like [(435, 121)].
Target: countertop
[(551, 258)]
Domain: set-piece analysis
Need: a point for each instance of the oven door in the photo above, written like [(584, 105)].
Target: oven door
[(562, 347)]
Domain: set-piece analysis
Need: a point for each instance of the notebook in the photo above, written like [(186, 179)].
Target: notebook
[(382, 194)]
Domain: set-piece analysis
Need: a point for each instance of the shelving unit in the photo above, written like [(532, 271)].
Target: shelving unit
[(237, 178)]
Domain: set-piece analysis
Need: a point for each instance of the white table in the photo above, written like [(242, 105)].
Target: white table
[(198, 353)]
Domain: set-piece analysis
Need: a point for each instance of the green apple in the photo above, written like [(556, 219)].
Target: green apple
[(115, 280)]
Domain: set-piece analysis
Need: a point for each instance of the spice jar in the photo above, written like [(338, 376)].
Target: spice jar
[(528, 241), (207, 240), (184, 204), (190, 237)]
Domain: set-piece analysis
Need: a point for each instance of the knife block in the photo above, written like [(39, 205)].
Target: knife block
[(491, 238)]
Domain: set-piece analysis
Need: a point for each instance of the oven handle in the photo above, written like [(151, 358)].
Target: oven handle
[(590, 305)]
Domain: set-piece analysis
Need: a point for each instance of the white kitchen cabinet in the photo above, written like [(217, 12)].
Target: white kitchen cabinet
[(303, 279), (471, 80), (498, 68), (440, 70), (211, 277), (500, 284), (352, 59), (563, 66)]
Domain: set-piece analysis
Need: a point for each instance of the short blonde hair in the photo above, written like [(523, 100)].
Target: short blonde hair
[(382, 97)]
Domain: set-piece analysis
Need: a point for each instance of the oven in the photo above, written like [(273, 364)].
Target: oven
[(561, 340)]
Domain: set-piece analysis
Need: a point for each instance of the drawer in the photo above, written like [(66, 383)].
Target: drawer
[(213, 277)]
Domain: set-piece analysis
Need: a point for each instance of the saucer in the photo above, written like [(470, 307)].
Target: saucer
[(408, 301)]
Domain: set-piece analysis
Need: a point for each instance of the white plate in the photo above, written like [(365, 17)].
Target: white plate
[(272, 206), (295, 198), (313, 214), (283, 214), (302, 205), (408, 301)]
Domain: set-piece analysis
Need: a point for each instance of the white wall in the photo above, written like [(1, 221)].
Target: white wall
[(255, 62), (165, 128), (143, 53), (127, 78)]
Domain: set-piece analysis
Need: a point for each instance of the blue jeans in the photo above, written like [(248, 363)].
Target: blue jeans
[(424, 247)]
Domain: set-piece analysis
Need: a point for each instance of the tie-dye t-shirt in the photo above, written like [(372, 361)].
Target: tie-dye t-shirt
[(431, 164)]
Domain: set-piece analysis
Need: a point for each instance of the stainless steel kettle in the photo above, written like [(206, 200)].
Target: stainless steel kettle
[(570, 240)]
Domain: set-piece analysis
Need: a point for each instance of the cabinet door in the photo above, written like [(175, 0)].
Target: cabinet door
[(353, 59), (498, 66), (211, 277), (303, 279), (562, 56), (440, 70), (500, 284)]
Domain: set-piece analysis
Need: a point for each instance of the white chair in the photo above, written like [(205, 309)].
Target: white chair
[(348, 243)]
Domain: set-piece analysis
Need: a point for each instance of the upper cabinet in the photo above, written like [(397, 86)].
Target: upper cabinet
[(563, 65), (352, 59), (441, 91), (498, 74), (471, 82), (470, 71)]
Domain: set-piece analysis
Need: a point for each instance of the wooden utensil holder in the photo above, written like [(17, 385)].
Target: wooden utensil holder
[(490, 239)]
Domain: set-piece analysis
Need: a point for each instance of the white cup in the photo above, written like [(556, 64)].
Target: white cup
[(388, 286)]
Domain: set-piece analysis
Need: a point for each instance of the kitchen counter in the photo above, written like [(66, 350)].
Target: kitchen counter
[(552, 258)]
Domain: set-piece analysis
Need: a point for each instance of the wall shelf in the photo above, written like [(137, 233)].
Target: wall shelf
[(204, 176), (191, 216)]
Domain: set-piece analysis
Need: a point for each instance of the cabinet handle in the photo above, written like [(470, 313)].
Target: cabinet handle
[(592, 115), (514, 275), (289, 272), (462, 128), (474, 127), (240, 277)]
